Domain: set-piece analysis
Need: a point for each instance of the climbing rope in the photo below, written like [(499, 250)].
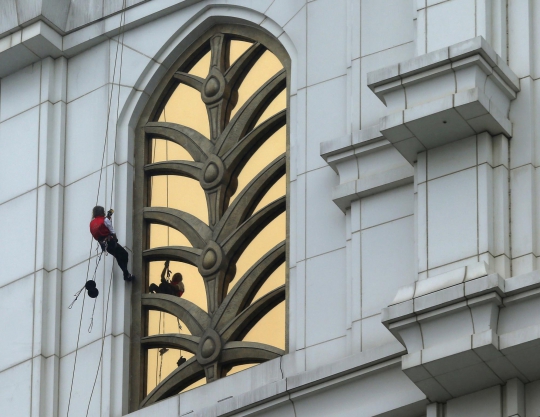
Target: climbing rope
[(121, 36), (98, 258), (78, 293), (161, 325)]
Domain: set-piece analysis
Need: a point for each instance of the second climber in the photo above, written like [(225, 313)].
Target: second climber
[(175, 287), (102, 230)]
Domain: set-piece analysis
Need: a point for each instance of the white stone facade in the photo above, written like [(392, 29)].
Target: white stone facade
[(414, 204)]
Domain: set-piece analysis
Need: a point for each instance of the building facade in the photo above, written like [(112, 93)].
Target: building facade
[(348, 187)]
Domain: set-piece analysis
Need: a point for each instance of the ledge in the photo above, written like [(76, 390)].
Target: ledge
[(445, 96), (20, 47), (353, 367), (359, 178), (27, 46), (450, 323), (457, 52)]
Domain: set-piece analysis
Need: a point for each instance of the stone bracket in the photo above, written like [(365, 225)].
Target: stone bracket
[(455, 329), (348, 157), (445, 96)]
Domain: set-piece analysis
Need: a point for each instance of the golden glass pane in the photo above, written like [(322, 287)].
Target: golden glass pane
[(160, 366), (277, 190), (159, 150), (186, 108), (278, 104), (273, 147), (274, 281), (240, 368), (196, 384), (166, 236), (269, 237), (265, 68), (193, 281), (202, 67), (236, 49), (164, 150), (181, 193), (270, 329), (164, 323)]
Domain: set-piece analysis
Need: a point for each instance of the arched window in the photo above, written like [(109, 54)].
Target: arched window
[(210, 197)]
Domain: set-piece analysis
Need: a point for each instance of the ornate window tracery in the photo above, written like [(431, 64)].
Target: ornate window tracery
[(211, 162)]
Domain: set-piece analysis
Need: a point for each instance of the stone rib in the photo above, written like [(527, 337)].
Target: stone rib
[(195, 318), (196, 231), (196, 144), (182, 168), (244, 322), (245, 289)]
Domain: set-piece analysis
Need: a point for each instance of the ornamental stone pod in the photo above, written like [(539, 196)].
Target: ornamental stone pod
[(211, 87), (209, 347)]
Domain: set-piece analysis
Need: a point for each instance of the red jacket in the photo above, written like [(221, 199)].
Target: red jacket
[(98, 228)]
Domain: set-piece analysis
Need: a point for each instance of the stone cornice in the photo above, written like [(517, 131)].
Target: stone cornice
[(62, 15), (357, 366), (451, 327), (445, 96), (37, 38), (347, 157)]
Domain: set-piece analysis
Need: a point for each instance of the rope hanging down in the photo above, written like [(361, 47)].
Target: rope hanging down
[(161, 323), (122, 34), (89, 286)]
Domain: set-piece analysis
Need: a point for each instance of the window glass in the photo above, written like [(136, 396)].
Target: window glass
[(201, 68), (194, 229), (269, 237), (273, 147), (186, 108), (270, 329), (237, 48), (265, 68)]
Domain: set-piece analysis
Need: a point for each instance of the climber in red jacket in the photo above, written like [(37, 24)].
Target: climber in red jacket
[(102, 230)]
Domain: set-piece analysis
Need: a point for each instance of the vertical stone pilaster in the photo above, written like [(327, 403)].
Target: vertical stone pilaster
[(462, 206), (514, 399), (352, 157), (486, 18), (449, 114), (48, 263), (435, 410)]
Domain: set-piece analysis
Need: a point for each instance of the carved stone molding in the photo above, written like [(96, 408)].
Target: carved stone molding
[(366, 163), (466, 330), (445, 96)]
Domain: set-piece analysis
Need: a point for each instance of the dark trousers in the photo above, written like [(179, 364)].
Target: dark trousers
[(164, 288), (119, 253)]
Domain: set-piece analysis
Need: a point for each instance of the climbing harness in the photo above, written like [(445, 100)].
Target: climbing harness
[(90, 284)]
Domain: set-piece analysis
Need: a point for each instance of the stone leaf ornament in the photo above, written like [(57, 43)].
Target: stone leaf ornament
[(216, 336)]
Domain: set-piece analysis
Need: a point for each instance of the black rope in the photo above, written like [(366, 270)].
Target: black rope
[(102, 343), (76, 295), (106, 140), (122, 35), (76, 354), (98, 260)]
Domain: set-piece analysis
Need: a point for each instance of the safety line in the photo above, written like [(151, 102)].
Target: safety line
[(106, 140), (122, 35)]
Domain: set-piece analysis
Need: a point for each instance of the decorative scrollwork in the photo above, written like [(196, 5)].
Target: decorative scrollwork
[(216, 335)]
